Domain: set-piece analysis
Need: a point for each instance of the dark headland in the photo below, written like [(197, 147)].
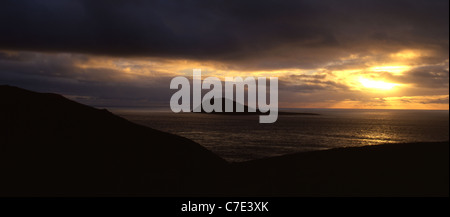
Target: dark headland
[(51, 146)]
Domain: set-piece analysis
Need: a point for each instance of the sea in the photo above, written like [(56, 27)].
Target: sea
[(238, 138)]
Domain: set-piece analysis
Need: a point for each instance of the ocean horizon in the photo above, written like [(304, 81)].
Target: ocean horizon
[(242, 138)]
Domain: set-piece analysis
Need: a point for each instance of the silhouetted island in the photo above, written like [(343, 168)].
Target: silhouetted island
[(246, 110), (52, 146)]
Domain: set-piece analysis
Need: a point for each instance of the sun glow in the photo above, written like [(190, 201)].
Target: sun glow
[(368, 83), (397, 70)]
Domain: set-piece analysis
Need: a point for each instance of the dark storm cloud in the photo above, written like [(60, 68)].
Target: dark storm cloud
[(443, 100), (317, 36), (181, 28), (228, 30), (433, 76), (59, 73), (429, 76), (309, 83)]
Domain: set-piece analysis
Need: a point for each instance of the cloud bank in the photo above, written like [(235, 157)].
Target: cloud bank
[(125, 52)]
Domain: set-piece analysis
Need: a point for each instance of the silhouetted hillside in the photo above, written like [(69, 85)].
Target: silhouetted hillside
[(50, 145), (409, 169)]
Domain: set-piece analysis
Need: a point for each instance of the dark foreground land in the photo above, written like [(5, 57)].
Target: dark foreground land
[(51, 146)]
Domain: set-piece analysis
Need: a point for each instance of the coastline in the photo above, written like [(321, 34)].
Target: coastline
[(52, 147)]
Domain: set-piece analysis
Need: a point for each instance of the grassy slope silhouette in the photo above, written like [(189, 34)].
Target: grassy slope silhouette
[(51, 146)]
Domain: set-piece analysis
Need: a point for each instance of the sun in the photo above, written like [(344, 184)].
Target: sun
[(368, 83)]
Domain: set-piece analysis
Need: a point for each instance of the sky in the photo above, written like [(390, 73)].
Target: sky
[(374, 54)]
